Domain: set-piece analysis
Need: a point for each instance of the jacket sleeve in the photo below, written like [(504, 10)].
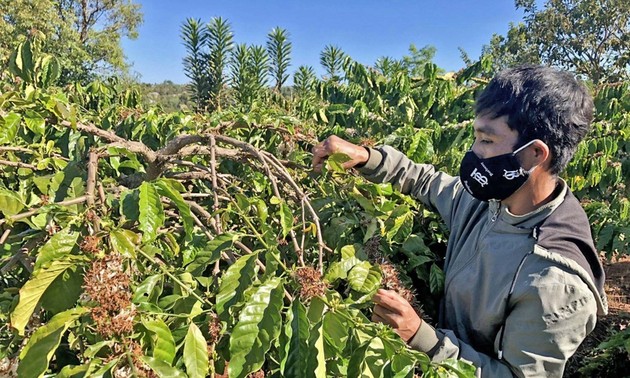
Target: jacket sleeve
[(437, 190), (549, 317)]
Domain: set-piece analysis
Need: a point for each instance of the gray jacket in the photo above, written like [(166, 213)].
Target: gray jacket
[(521, 292)]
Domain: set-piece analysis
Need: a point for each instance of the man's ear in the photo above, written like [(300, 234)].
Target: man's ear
[(541, 154)]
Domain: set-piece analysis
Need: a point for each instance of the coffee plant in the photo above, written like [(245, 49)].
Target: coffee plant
[(139, 243)]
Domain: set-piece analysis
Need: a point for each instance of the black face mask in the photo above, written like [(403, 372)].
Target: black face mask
[(496, 178)]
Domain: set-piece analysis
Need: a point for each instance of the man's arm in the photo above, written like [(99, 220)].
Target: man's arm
[(551, 316), (437, 190)]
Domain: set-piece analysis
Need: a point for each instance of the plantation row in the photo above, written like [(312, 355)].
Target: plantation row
[(136, 242)]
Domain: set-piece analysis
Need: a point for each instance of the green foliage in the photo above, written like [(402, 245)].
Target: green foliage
[(196, 68), (84, 36), (225, 257), (332, 58), (279, 49), (588, 37)]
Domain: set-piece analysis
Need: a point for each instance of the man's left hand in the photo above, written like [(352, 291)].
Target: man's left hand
[(394, 310)]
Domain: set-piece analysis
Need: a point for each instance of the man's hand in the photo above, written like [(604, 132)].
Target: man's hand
[(333, 145), (394, 310)]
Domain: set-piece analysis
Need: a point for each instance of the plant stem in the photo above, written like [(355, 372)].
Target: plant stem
[(172, 276)]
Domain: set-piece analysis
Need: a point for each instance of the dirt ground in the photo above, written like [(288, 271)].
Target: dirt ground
[(617, 362)]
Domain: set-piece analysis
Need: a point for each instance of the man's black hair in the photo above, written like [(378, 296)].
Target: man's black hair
[(540, 103)]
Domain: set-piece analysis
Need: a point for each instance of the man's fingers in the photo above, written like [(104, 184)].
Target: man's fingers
[(390, 300), (377, 319), (320, 153), (384, 312)]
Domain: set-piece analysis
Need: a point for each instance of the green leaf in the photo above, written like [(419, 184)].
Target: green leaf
[(166, 188), (211, 253), (297, 356), (340, 269), (35, 122), (124, 242), (64, 292), (316, 357), (286, 219), (94, 349), (36, 355), (60, 245), (335, 162), (238, 277), (258, 326), (368, 360), (32, 291), (151, 212), (605, 235), (421, 148), (145, 291), (195, 353), (10, 204), (164, 344), (436, 279), (262, 210), (364, 277), (9, 126), (336, 330), (162, 369), (129, 205), (71, 371), (399, 228)]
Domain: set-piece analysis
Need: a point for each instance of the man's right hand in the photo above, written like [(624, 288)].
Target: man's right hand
[(334, 144)]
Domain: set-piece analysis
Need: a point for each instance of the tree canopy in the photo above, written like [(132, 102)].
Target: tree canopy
[(588, 37), (84, 35)]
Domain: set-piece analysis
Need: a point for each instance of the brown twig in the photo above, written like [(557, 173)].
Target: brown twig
[(5, 235), (101, 193), (17, 164), (289, 180), (270, 175), (16, 149), (91, 178), (215, 205)]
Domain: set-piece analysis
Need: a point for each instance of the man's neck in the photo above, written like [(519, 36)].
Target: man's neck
[(536, 192)]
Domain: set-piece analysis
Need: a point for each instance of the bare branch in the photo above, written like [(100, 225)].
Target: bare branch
[(17, 164), (133, 146), (5, 235), (174, 146), (91, 178)]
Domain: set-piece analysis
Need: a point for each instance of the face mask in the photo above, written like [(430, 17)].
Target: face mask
[(496, 178)]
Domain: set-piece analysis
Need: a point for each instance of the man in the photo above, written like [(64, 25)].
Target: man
[(524, 284)]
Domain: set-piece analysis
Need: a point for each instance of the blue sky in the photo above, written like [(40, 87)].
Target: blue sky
[(366, 30)]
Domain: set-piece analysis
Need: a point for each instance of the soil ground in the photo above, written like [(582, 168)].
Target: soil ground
[(615, 363)]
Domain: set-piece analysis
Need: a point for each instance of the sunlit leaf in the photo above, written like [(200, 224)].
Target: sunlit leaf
[(36, 355), (195, 353), (151, 211), (259, 324)]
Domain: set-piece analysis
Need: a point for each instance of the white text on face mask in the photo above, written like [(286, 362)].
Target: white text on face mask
[(481, 179)]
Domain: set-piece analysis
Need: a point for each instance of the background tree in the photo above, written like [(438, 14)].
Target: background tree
[(389, 66), (85, 35), (220, 42), (196, 66), (588, 37), (279, 49), (416, 60), (304, 80), (331, 58)]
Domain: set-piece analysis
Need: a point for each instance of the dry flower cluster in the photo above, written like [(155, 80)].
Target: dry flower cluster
[(311, 283), (214, 329), (89, 244), (107, 284)]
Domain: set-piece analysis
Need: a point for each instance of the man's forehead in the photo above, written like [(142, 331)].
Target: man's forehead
[(492, 126)]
